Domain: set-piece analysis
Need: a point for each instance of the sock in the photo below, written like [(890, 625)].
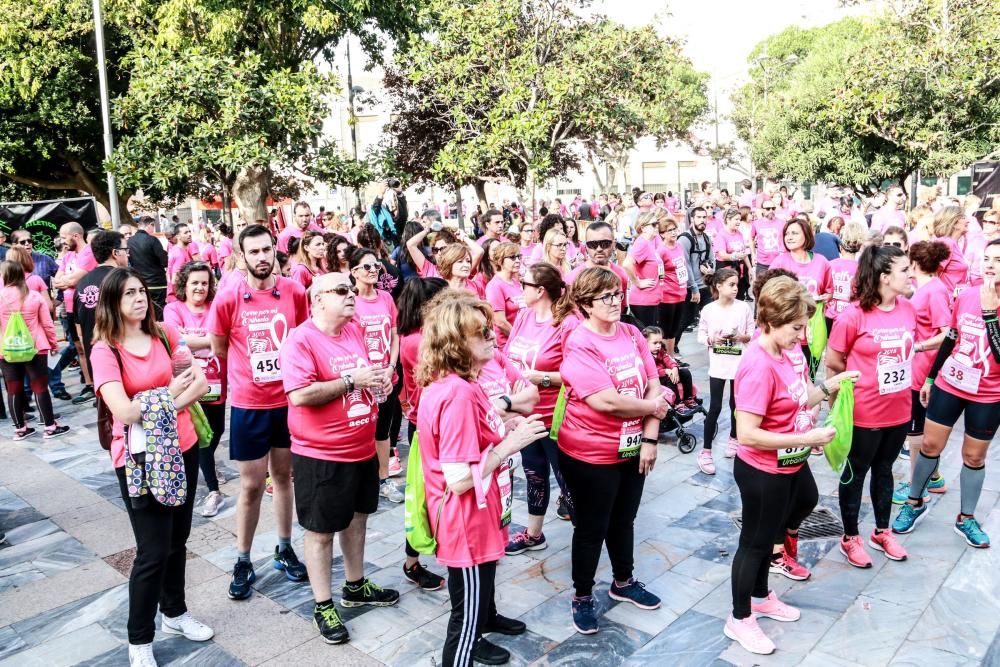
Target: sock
[(284, 542), (243, 556), (971, 481), (776, 557), (325, 603), (921, 475), (356, 584), (758, 600)]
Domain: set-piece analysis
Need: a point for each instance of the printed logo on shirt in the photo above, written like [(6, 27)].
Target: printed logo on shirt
[(524, 353), (89, 296), (626, 374), (358, 403), (768, 238)]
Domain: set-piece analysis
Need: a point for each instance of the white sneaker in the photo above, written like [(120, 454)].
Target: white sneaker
[(186, 625), (219, 475), (390, 492), (394, 466), (213, 503), (141, 655)]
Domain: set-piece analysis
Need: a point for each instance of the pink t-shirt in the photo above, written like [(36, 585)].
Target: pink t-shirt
[(728, 242), (777, 390), (538, 346), (409, 355), (458, 424), (344, 429), (974, 248), (506, 297), (256, 329), (648, 265), (767, 235), (430, 270), (293, 230), (592, 363), (888, 217), (815, 274), (842, 272), (713, 228), (36, 284), (932, 304), (377, 318), (177, 257), (970, 372), (879, 344), (500, 377), (225, 249), (72, 262), (190, 323), (618, 271), (717, 321), (673, 287), (230, 279), (140, 373), (208, 254), (954, 271), (303, 275)]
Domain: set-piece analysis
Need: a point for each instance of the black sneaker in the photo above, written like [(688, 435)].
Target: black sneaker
[(487, 653), (86, 395), (562, 509), (505, 626), (423, 577), (331, 628), (241, 587), (55, 431), (287, 560), (62, 395), (368, 593)]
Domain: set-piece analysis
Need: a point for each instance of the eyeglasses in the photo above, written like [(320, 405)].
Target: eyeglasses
[(487, 332), (611, 298), (602, 244), (25, 242), (370, 267), (559, 245), (340, 290), (525, 283), (894, 244), (124, 250), (527, 230)]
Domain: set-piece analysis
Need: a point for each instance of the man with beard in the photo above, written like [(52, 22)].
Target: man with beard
[(74, 265), (600, 241), (249, 321), (701, 265), (182, 250), (301, 223)]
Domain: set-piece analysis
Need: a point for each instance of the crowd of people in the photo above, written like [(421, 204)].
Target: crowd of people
[(549, 342)]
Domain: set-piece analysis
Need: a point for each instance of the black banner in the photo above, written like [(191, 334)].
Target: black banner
[(44, 218), (986, 183)]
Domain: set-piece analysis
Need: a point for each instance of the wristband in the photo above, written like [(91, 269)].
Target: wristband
[(506, 401), (649, 441), (929, 381)]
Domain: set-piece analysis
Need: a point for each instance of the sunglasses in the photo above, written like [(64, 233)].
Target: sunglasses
[(611, 298), (25, 242), (341, 290), (438, 249), (894, 244), (603, 244), (769, 208), (514, 257), (369, 267)]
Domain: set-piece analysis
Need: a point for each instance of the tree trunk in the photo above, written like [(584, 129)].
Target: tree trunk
[(602, 185), (102, 197), (481, 195), (250, 192)]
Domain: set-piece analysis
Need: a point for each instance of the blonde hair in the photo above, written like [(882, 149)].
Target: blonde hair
[(589, 285), (946, 219), (548, 241), (501, 251), (450, 320), (452, 254), (852, 236), (783, 300)]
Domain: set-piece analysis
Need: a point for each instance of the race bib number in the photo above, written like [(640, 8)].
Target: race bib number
[(893, 378), (265, 367), (682, 270), (960, 376), (727, 348), (214, 392), (630, 439), (506, 493), (842, 290), (793, 456)]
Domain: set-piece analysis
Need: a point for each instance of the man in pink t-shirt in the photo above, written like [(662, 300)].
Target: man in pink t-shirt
[(600, 242), (766, 233), (891, 214), (183, 249), (301, 223), (77, 262), (248, 324), (332, 410)]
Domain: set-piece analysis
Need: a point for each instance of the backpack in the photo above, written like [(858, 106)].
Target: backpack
[(416, 519), (106, 420), (18, 343)]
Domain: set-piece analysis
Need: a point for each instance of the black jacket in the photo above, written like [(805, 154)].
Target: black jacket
[(147, 256)]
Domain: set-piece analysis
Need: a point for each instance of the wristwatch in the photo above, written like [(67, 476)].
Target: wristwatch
[(507, 402), (348, 381), (546, 380)]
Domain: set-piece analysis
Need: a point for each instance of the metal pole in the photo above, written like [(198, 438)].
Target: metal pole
[(718, 179), (102, 76)]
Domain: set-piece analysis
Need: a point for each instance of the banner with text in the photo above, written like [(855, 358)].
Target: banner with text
[(44, 218)]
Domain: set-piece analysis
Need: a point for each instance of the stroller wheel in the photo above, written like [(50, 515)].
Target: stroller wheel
[(686, 443)]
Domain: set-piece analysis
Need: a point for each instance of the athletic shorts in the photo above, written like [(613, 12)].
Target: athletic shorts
[(253, 433), (329, 493), (981, 419)]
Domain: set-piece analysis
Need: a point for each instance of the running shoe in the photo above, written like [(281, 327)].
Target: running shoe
[(395, 467), (212, 504), (505, 626), (775, 609), (368, 593), (905, 452), (787, 566), (268, 486), (286, 560), (854, 549), (23, 433), (390, 491), (635, 592), (522, 542), (731, 446), (62, 395), (908, 518), (887, 544), (792, 546), (188, 626), (55, 432), (422, 577), (141, 655), (87, 394), (562, 509), (584, 615), (331, 627), (747, 632), (973, 533), (705, 462), (683, 411), (241, 587), (937, 484), (902, 492)]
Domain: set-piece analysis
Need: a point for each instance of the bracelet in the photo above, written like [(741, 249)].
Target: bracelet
[(826, 392), (506, 401), (649, 441), (919, 347)]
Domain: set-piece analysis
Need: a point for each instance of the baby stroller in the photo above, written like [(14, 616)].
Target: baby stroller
[(680, 414)]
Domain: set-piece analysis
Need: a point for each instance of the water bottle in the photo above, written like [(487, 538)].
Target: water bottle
[(379, 393), (182, 358)]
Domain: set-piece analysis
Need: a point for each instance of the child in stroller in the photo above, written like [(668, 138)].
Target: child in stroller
[(678, 381)]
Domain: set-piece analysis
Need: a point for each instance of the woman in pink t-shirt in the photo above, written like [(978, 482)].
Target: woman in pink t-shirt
[(22, 256), (455, 262), (607, 442), (535, 346), (875, 337), (842, 271), (965, 378), (309, 258), (732, 251), (129, 357), (776, 426), (504, 291), (465, 447), (554, 251), (950, 226), (674, 285), (195, 289), (645, 270)]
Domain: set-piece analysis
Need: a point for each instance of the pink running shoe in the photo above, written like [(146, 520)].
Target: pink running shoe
[(748, 634), (887, 544), (789, 567), (731, 447), (854, 549), (775, 609), (394, 466), (705, 462)]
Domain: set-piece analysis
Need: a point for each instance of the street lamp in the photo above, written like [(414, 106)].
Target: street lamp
[(102, 78)]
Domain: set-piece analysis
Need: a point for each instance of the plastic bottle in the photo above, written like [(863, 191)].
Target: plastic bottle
[(182, 358)]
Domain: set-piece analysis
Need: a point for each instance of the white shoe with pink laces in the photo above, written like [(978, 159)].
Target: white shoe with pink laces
[(731, 446), (705, 462), (748, 634), (775, 609)]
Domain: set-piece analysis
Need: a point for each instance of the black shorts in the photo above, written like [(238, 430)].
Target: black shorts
[(981, 419), (254, 433), (329, 493)]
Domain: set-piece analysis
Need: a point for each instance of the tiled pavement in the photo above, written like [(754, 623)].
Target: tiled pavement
[(62, 602)]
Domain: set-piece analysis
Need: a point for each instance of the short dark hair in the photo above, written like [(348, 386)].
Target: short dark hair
[(808, 233), (698, 208), (181, 280), (104, 244), (301, 204), (490, 213), (598, 226), (251, 231)]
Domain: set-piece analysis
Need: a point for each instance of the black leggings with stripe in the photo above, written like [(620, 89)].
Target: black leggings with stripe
[(471, 592)]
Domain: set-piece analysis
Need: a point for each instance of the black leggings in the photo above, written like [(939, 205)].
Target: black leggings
[(684, 375), (37, 371), (771, 503), (874, 449), (671, 319), (648, 315), (606, 499), (390, 416), (470, 590), (216, 415), (717, 386), (536, 458)]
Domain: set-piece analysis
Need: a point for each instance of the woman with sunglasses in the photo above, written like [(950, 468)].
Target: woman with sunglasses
[(504, 291), (535, 346), (195, 290), (644, 267), (895, 237), (455, 262), (309, 258), (389, 279), (375, 313), (607, 442), (465, 447), (950, 226), (673, 287)]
